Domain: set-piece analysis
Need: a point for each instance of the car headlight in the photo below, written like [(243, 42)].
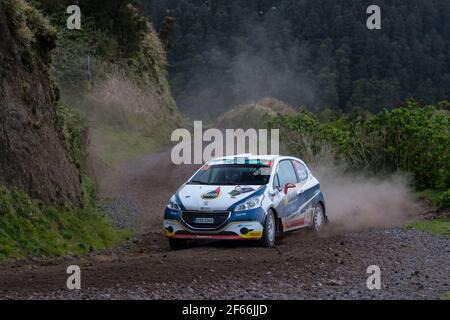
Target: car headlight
[(252, 203), (172, 204)]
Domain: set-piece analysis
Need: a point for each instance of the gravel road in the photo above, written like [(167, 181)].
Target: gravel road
[(414, 264)]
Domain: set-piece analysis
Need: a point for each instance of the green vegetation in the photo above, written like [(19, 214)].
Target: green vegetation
[(29, 228), (430, 195), (444, 199), (74, 128), (412, 138), (436, 226), (440, 199), (31, 29)]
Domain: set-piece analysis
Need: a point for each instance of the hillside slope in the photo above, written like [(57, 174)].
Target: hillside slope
[(33, 155), (48, 206), (254, 115)]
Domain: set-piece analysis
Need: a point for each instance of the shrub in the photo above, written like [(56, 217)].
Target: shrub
[(444, 199), (311, 139), (74, 128), (35, 37), (412, 138)]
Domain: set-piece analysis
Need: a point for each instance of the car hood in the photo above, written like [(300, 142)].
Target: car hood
[(209, 197)]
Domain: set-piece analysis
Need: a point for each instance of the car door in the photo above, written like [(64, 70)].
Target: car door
[(286, 175), (305, 192)]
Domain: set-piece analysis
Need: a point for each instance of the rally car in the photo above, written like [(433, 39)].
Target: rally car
[(245, 197)]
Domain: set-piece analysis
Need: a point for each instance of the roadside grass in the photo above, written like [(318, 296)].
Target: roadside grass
[(430, 195), (29, 228), (439, 199), (440, 226)]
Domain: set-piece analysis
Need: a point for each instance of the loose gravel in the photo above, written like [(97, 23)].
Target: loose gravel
[(414, 265)]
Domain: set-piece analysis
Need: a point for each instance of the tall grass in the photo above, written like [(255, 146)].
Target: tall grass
[(29, 228)]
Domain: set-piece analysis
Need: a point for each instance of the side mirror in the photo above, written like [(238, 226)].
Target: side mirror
[(288, 186)]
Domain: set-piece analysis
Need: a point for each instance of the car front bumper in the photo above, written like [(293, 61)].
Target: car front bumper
[(246, 225)]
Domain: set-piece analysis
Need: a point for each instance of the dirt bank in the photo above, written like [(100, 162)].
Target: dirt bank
[(33, 152)]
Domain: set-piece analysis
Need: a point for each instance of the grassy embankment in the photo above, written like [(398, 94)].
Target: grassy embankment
[(30, 228), (439, 226)]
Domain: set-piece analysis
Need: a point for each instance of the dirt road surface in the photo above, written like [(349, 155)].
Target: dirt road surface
[(414, 265)]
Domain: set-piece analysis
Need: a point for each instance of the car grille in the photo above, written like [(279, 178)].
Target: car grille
[(205, 220)]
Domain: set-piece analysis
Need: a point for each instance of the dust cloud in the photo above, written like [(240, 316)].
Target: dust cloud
[(263, 60), (112, 100), (356, 201)]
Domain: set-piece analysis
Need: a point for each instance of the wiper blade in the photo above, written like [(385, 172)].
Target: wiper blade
[(229, 184), (197, 182)]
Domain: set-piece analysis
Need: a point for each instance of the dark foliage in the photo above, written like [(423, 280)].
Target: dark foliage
[(317, 53)]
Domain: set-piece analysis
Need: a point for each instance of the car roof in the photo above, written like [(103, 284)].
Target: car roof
[(248, 157)]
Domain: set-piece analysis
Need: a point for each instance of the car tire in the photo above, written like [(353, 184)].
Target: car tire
[(269, 232), (319, 219), (178, 244)]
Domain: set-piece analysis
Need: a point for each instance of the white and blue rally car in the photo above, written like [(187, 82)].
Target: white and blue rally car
[(245, 197)]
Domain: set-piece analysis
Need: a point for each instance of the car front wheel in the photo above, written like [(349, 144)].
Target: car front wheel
[(268, 238)]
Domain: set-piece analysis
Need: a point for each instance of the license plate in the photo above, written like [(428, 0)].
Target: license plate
[(204, 220)]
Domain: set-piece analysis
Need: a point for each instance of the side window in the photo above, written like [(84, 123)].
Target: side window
[(300, 169), (286, 173), (276, 182)]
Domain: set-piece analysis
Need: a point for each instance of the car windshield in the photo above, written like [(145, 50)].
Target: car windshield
[(233, 174)]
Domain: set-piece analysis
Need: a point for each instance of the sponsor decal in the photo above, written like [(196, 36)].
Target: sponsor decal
[(211, 195), (240, 190), (294, 223)]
